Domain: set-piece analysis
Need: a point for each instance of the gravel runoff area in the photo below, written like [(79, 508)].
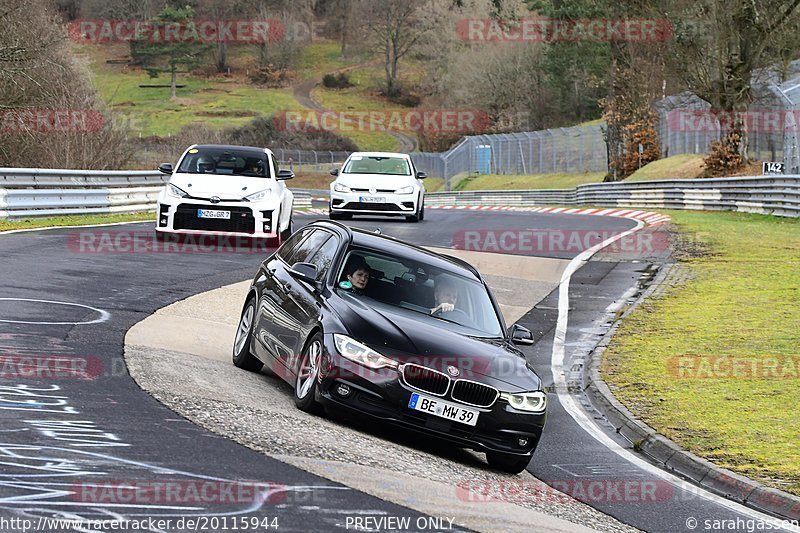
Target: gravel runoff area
[(181, 356)]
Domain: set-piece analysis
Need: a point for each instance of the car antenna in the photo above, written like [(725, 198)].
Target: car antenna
[(378, 231)]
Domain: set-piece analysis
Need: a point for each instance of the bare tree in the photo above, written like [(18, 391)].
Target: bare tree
[(397, 25), (39, 77), (722, 48)]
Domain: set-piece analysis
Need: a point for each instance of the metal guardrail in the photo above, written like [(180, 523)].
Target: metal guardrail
[(44, 192), (778, 195), (35, 192)]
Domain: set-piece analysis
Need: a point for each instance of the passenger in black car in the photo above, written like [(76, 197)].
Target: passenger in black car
[(357, 273)]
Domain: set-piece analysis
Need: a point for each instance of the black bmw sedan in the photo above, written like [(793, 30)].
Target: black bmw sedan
[(365, 323)]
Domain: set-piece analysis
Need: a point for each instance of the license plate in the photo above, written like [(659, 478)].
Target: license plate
[(211, 213), (372, 199), (443, 409)]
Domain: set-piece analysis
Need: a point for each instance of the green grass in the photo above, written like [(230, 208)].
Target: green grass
[(675, 167), (74, 220), (214, 102), (535, 181), (321, 58), (743, 303)]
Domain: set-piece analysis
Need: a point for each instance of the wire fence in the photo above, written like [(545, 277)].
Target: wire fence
[(563, 150)]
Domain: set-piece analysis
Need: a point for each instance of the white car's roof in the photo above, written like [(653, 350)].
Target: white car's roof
[(381, 154)]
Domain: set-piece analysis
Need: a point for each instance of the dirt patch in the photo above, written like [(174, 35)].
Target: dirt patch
[(227, 114)]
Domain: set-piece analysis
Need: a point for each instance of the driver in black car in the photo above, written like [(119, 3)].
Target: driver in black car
[(445, 296)]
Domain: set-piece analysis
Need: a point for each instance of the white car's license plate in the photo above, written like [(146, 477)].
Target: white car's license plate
[(372, 199), (441, 408), (211, 213)]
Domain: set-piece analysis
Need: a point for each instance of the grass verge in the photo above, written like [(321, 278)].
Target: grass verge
[(715, 363), (74, 220), (535, 181)]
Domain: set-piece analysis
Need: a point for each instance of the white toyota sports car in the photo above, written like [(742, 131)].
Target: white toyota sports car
[(225, 190)]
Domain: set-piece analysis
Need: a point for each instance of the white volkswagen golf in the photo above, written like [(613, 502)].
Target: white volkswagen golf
[(223, 190), (378, 183)]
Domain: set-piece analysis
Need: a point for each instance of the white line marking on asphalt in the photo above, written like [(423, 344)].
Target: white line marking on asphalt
[(587, 424), (104, 315)]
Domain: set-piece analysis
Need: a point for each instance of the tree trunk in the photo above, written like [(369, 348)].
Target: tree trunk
[(388, 66), (222, 56), (173, 83)]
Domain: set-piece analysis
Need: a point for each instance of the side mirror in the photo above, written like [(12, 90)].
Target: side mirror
[(421, 175), (334, 172), (285, 175), (305, 272), (165, 168), (521, 335)]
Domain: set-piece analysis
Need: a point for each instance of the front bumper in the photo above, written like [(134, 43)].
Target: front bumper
[(180, 216), (380, 394), (389, 204)]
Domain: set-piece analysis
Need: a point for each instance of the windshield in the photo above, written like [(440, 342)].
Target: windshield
[(391, 166), (440, 296), (225, 161)]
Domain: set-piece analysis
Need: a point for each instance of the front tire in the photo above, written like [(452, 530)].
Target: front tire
[(505, 462), (419, 215), (305, 386), (242, 357), (339, 216), (285, 234)]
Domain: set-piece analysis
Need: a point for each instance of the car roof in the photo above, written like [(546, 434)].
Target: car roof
[(232, 147), (390, 245), (381, 154)]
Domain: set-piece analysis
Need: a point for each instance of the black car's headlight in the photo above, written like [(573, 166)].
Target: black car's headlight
[(177, 192), (363, 355), (533, 402)]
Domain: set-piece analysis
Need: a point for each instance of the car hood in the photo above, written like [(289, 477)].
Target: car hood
[(376, 181), (222, 185), (402, 336)]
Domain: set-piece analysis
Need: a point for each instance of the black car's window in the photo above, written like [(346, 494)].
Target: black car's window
[(291, 243), (225, 161), (324, 256), (413, 286), (306, 249)]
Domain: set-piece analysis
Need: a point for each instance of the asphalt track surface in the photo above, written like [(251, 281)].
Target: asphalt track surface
[(68, 443)]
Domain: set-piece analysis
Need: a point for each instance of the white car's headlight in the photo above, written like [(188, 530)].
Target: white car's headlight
[(338, 187), (534, 402), (363, 355), (177, 192), (258, 196), (405, 190)]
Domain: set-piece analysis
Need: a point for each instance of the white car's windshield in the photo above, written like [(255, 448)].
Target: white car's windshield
[(225, 161), (392, 166), (445, 297)]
